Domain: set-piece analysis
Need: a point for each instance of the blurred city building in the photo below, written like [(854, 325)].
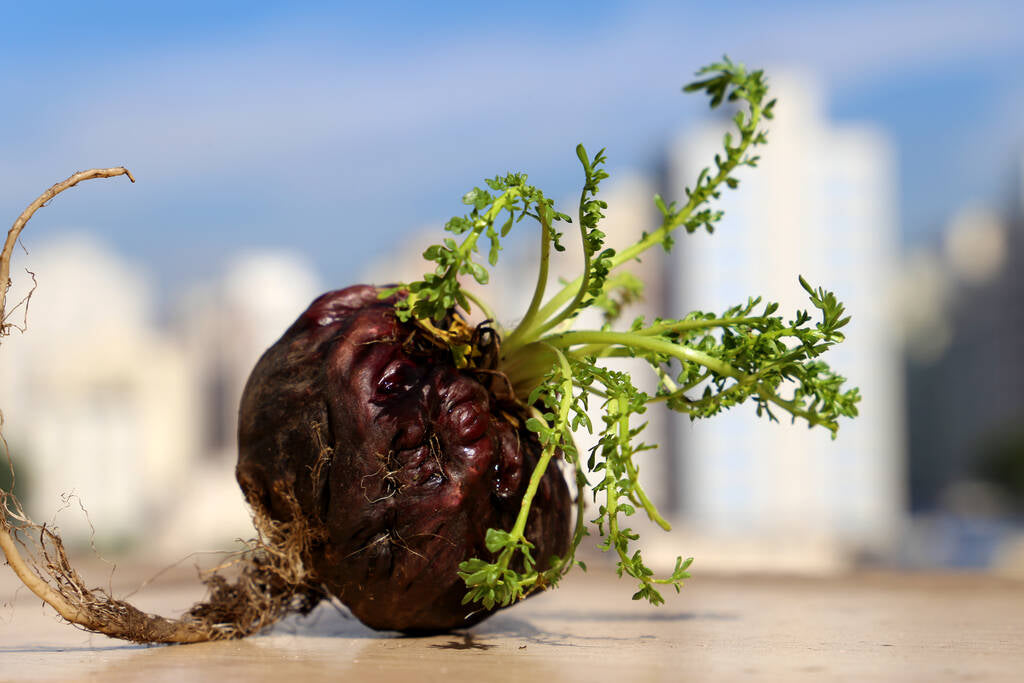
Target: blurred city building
[(965, 405), (98, 406), (832, 218), (223, 327), (966, 386), (125, 427)]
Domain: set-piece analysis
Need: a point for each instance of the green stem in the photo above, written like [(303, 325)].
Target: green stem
[(675, 391), (537, 322), (542, 282), (516, 533), (630, 339), (795, 408), (649, 507), (584, 278), (685, 353), (666, 381), (469, 244), (680, 326), (484, 308), (611, 495), (611, 488), (561, 566), (695, 382), (598, 351), (691, 325), (696, 197), (574, 289)]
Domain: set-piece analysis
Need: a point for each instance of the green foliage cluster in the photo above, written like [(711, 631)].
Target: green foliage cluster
[(705, 362), (438, 292)]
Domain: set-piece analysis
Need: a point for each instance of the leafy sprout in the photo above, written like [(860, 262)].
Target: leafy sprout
[(705, 362)]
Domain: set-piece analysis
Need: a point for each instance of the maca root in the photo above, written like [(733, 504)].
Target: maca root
[(402, 459)]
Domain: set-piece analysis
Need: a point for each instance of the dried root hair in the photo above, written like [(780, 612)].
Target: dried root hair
[(273, 580), (273, 573)]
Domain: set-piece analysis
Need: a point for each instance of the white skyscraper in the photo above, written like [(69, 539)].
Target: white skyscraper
[(822, 205)]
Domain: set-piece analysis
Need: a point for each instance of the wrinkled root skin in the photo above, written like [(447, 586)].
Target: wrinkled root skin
[(400, 461)]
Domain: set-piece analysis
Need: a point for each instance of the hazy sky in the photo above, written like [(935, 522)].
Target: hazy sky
[(334, 129)]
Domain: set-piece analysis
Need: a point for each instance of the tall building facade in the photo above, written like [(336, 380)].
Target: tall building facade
[(966, 409), (821, 204)]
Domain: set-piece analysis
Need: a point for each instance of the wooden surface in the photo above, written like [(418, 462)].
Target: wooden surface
[(881, 626)]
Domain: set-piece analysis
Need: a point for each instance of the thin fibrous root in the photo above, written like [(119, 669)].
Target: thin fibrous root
[(274, 581), (274, 578)]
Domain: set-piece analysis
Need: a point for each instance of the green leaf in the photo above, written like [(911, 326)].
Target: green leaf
[(479, 274), (496, 539), (535, 425)]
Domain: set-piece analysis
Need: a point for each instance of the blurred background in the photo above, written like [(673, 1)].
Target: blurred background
[(284, 150)]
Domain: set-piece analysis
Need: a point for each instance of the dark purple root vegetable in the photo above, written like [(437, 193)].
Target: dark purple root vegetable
[(398, 461)]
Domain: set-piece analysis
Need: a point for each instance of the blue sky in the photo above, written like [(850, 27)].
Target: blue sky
[(334, 129)]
